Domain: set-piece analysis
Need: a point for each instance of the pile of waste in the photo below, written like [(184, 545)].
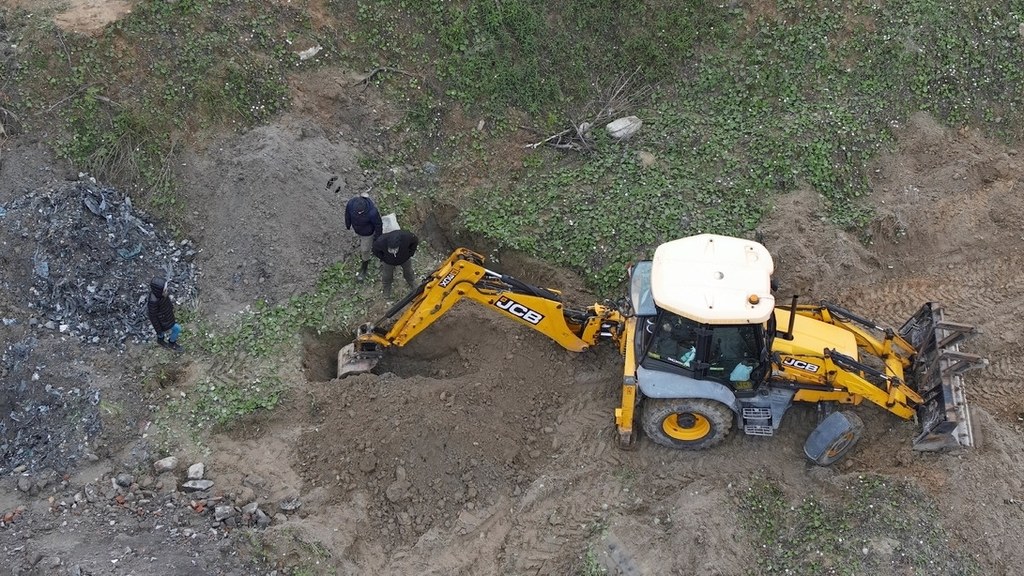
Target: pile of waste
[(50, 412), (87, 256)]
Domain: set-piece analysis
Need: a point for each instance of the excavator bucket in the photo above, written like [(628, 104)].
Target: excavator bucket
[(352, 360), (937, 375)]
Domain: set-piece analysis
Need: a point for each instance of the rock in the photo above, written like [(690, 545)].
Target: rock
[(397, 491), (310, 52), (223, 512), (34, 557), (254, 481), (289, 504), (246, 495), (250, 508), (623, 128), (197, 485), (124, 480), (367, 464), (262, 520), (24, 483), (196, 471), (168, 464)]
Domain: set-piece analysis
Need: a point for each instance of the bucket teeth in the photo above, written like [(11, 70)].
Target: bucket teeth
[(937, 375), (351, 361)]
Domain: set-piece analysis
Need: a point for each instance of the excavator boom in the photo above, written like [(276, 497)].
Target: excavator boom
[(463, 276)]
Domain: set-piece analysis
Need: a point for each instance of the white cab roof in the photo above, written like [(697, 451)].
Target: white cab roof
[(711, 279)]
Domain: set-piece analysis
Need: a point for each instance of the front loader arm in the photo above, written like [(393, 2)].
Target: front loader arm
[(915, 372)]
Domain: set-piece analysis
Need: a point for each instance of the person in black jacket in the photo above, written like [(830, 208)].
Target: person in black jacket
[(396, 249), (362, 216), (161, 314)]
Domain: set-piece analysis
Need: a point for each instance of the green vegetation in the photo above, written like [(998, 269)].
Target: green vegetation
[(803, 95), (588, 563), (591, 566), (879, 525), (336, 302), (126, 98)]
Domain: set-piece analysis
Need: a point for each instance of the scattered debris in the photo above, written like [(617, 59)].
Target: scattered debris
[(48, 417), (94, 255)]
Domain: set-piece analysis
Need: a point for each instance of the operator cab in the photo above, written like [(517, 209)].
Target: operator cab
[(703, 305)]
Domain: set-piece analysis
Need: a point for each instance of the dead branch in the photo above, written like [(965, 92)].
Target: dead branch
[(7, 112), (65, 99), (381, 69), (622, 95)]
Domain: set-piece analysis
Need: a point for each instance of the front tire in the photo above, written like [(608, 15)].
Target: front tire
[(686, 423)]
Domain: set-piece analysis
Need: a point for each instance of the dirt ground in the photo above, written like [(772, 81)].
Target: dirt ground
[(482, 448)]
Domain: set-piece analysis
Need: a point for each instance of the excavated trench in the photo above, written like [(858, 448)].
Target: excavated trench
[(433, 353)]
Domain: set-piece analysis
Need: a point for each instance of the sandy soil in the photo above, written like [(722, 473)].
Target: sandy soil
[(482, 448)]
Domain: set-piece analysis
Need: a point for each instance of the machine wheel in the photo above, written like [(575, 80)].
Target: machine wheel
[(834, 438), (686, 423)]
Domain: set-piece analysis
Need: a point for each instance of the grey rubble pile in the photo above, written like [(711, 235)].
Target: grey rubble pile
[(92, 259), (48, 418)]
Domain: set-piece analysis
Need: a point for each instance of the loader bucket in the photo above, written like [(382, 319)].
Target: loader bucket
[(354, 361), (937, 375)]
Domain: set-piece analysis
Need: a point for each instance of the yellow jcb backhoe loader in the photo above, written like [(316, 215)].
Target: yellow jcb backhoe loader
[(707, 349)]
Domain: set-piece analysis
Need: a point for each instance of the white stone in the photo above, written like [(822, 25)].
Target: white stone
[(196, 471), (166, 464), (624, 127)]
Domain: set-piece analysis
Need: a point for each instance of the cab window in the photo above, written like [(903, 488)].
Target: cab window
[(670, 342), (735, 354)]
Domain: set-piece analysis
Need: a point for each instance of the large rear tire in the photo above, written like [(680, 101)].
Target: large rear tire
[(686, 423)]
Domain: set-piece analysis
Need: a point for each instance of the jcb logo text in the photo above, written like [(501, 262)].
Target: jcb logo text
[(517, 309), (801, 364), (446, 280)]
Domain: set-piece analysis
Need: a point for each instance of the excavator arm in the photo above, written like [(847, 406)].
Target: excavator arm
[(463, 276)]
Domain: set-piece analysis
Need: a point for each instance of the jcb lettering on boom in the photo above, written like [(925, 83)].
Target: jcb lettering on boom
[(517, 309), (447, 280), (800, 364)]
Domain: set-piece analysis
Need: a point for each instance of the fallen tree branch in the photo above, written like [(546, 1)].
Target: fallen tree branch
[(380, 69)]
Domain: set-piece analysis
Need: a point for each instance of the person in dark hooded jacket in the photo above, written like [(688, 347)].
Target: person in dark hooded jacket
[(160, 309), (362, 217), (396, 249)]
